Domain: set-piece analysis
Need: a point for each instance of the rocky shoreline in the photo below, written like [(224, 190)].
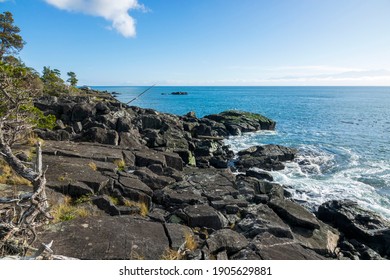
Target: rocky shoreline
[(160, 186)]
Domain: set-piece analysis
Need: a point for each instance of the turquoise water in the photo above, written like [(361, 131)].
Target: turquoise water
[(342, 133)]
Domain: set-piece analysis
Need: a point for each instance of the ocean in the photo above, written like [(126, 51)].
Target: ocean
[(342, 134)]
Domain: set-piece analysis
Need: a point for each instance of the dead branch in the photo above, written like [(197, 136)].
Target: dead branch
[(19, 217)]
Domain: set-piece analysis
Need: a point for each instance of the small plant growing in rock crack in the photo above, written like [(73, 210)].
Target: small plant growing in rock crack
[(114, 200), (142, 206), (67, 211), (92, 165), (190, 242), (82, 199), (170, 254), (120, 163)]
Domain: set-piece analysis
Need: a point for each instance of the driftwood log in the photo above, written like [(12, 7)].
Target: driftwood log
[(20, 216)]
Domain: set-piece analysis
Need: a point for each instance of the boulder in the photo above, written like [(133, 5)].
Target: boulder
[(268, 157), (82, 111), (323, 240), (260, 218), (203, 216), (102, 108), (226, 240), (357, 223), (101, 135), (151, 121), (130, 140), (238, 121), (259, 174), (124, 125), (145, 158), (178, 235), (294, 214), (173, 160)]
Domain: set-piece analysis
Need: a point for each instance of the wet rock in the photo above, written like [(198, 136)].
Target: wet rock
[(218, 162), (357, 223), (259, 174), (268, 157)]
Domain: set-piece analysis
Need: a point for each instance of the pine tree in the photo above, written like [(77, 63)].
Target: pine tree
[(10, 41)]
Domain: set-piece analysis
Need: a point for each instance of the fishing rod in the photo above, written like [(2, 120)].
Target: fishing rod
[(139, 95)]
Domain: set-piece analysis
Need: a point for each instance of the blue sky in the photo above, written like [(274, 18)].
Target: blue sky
[(208, 42)]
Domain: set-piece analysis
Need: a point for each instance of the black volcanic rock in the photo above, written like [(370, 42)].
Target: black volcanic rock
[(268, 157), (357, 223), (238, 121)]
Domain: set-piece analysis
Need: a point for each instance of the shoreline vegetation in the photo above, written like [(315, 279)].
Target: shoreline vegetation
[(85, 176)]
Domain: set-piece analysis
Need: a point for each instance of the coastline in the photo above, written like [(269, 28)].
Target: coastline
[(165, 180)]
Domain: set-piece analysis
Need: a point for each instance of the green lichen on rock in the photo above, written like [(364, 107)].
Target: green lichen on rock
[(238, 115)]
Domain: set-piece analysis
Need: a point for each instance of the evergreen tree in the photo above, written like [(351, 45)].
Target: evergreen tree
[(10, 41), (72, 79)]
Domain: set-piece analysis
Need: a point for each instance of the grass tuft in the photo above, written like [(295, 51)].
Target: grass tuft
[(9, 177), (67, 211), (191, 243), (171, 255), (92, 165), (143, 207), (120, 163)]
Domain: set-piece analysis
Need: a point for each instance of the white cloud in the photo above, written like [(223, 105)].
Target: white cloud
[(115, 11)]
